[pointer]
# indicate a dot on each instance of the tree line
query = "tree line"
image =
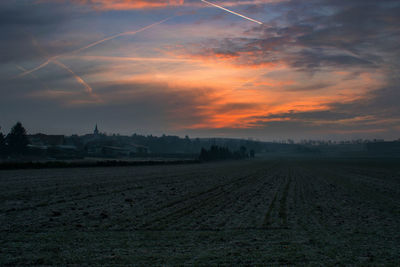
(216, 153)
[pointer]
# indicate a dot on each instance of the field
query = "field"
(266, 212)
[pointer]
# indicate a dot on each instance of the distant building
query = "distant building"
(46, 140)
(113, 148)
(101, 145)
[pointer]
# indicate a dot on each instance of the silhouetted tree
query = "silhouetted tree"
(204, 154)
(2, 145)
(17, 139)
(243, 152)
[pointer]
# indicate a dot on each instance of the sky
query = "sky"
(311, 69)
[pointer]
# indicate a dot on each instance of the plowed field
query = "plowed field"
(266, 212)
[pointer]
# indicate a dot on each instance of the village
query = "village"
(95, 144)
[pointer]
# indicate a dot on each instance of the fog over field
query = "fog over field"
(280, 212)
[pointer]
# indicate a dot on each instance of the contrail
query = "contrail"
(77, 77)
(91, 45)
(26, 72)
(230, 11)
(120, 34)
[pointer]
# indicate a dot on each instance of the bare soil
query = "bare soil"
(260, 212)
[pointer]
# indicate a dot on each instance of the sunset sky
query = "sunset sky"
(315, 69)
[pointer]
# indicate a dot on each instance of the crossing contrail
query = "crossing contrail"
(230, 11)
(52, 59)
(27, 72)
(88, 89)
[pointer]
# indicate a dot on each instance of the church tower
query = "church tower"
(96, 131)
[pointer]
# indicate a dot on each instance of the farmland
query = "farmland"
(276, 211)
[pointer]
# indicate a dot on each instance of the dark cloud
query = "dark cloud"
(325, 115)
(22, 24)
(309, 60)
(382, 103)
(26, 15)
(340, 34)
(311, 87)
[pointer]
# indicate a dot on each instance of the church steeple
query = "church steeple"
(96, 130)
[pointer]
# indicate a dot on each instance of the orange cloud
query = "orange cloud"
(128, 4)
